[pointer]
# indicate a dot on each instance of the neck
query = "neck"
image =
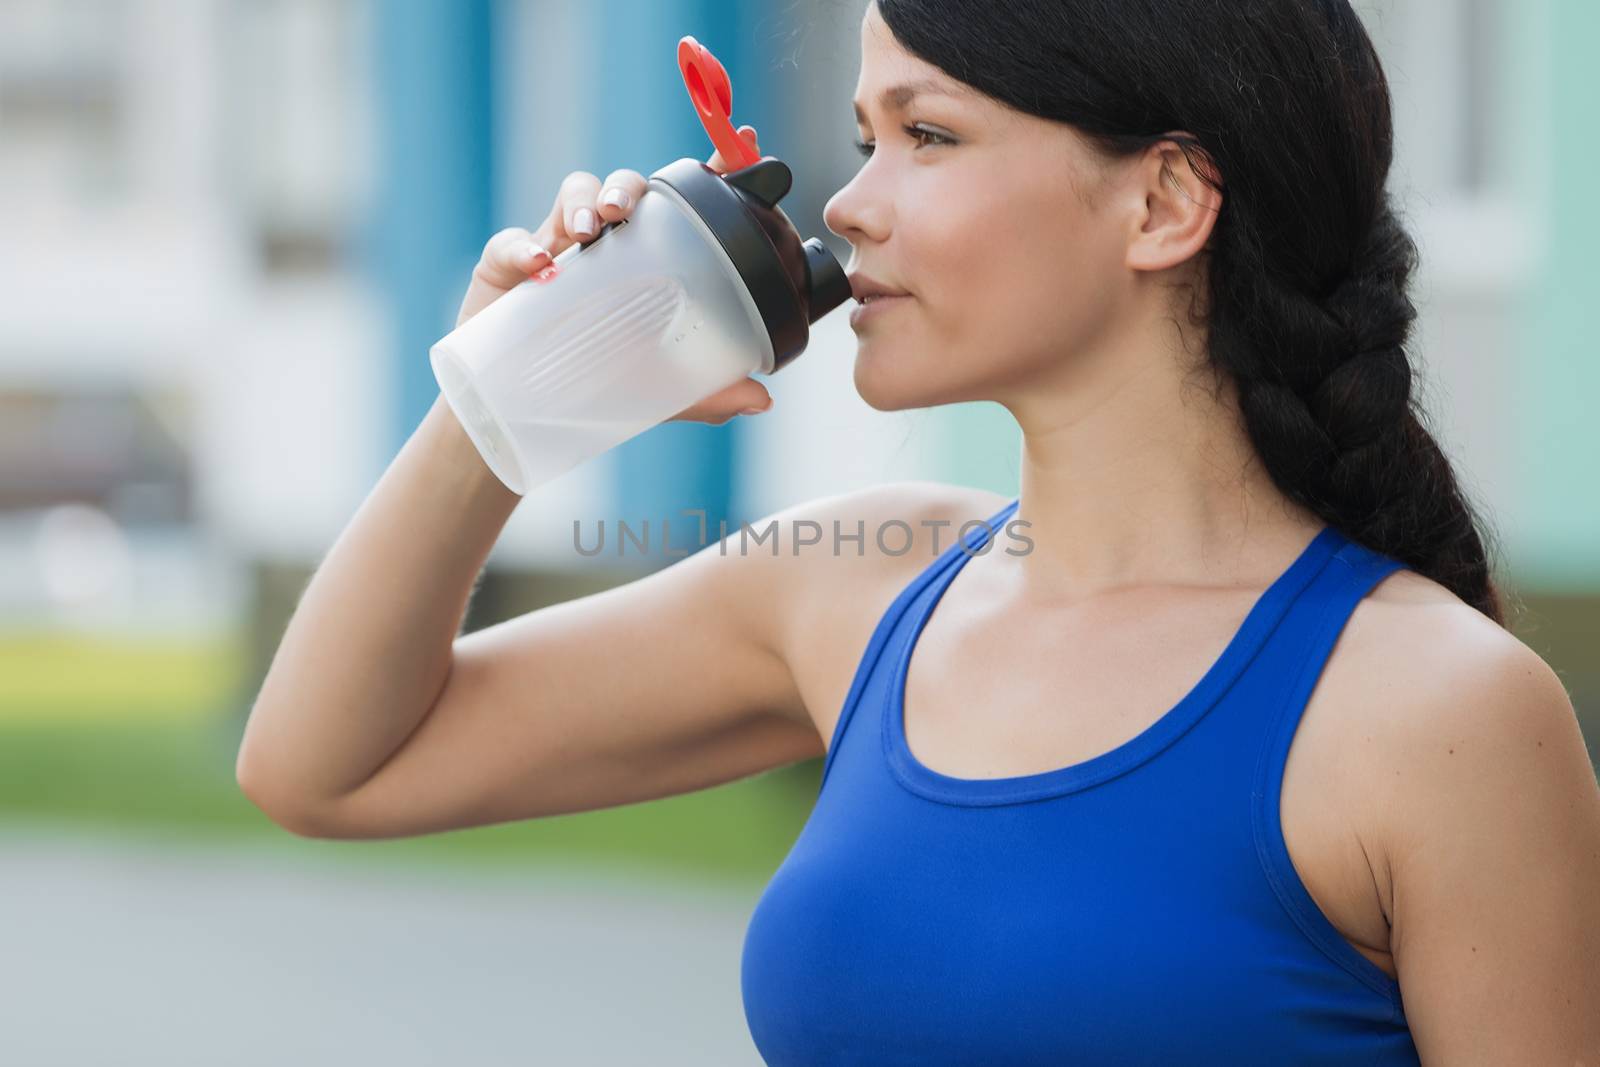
(1128, 477)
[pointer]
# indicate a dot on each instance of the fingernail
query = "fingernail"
(753, 411)
(617, 198)
(531, 252)
(583, 222)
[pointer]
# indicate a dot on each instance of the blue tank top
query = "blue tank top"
(1139, 907)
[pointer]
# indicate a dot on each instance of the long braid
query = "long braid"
(1308, 266)
(1325, 387)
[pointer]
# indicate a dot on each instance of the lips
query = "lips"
(864, 288)
(869, 309)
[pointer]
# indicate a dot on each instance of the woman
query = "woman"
(1226, 758)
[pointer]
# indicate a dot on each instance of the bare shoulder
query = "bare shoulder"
(1440, 661)
(1435, 666)
(1451, 707)
(905, 500)
(885, 530)
(1487, 817)
(830, 543)
(837, 562)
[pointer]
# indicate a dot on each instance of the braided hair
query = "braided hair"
(1285, 106)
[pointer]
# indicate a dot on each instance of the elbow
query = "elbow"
(289, 813)
(295, 820)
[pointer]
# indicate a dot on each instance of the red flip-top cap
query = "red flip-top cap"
(712, 94)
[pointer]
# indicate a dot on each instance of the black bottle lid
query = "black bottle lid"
(793, 282)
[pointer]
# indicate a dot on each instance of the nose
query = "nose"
(854, 214)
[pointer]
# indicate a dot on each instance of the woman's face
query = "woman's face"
(979, 218)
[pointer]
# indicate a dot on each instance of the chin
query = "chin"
(880, 395)
(884, 389)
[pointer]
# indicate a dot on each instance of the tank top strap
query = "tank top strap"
(889, 621)
(1305, 641)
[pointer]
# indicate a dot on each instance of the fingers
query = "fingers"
(559, 231)
(582, 206)
(744, 397)
(584, 203)
(619, 193)
(747, 134)
(509, 257)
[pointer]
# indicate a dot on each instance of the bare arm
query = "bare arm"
(665, 685)
(369, 645)
(690, 677)
(674, 682)
(1496, 859)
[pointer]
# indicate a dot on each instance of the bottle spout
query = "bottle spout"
(827, 284)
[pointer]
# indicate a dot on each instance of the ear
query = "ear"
(1180, 209)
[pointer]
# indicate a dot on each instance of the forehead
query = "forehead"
(891, 77)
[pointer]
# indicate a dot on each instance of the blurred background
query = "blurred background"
(229, 232)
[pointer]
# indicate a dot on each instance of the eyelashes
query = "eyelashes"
(917, 133)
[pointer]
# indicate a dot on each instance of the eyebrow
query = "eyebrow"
(897, 97)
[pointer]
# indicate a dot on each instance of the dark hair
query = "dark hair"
(1308, 265)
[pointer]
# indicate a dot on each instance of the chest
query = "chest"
(1059, 689)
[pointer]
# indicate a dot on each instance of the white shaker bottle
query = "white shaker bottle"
(705, 283)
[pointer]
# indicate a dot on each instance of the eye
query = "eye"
(917, 133)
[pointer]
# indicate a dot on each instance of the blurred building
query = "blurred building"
(229, 230)
(191, 370)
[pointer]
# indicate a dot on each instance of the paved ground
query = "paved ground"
(134, 952)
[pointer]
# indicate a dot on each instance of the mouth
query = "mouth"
(871, 307)
(866, 289)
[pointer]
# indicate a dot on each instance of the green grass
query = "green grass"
(126, 735)
(176, 778)
(56, 678)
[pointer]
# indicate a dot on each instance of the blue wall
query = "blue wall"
(434, 197)
(437, 96)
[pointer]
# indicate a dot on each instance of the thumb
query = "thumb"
(747, 134)
(724, 404)
(747, 393)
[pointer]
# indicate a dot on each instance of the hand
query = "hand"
(514, 254)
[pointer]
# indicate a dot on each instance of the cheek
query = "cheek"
(1058, 274)
(957, 251)
(1012, 284)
